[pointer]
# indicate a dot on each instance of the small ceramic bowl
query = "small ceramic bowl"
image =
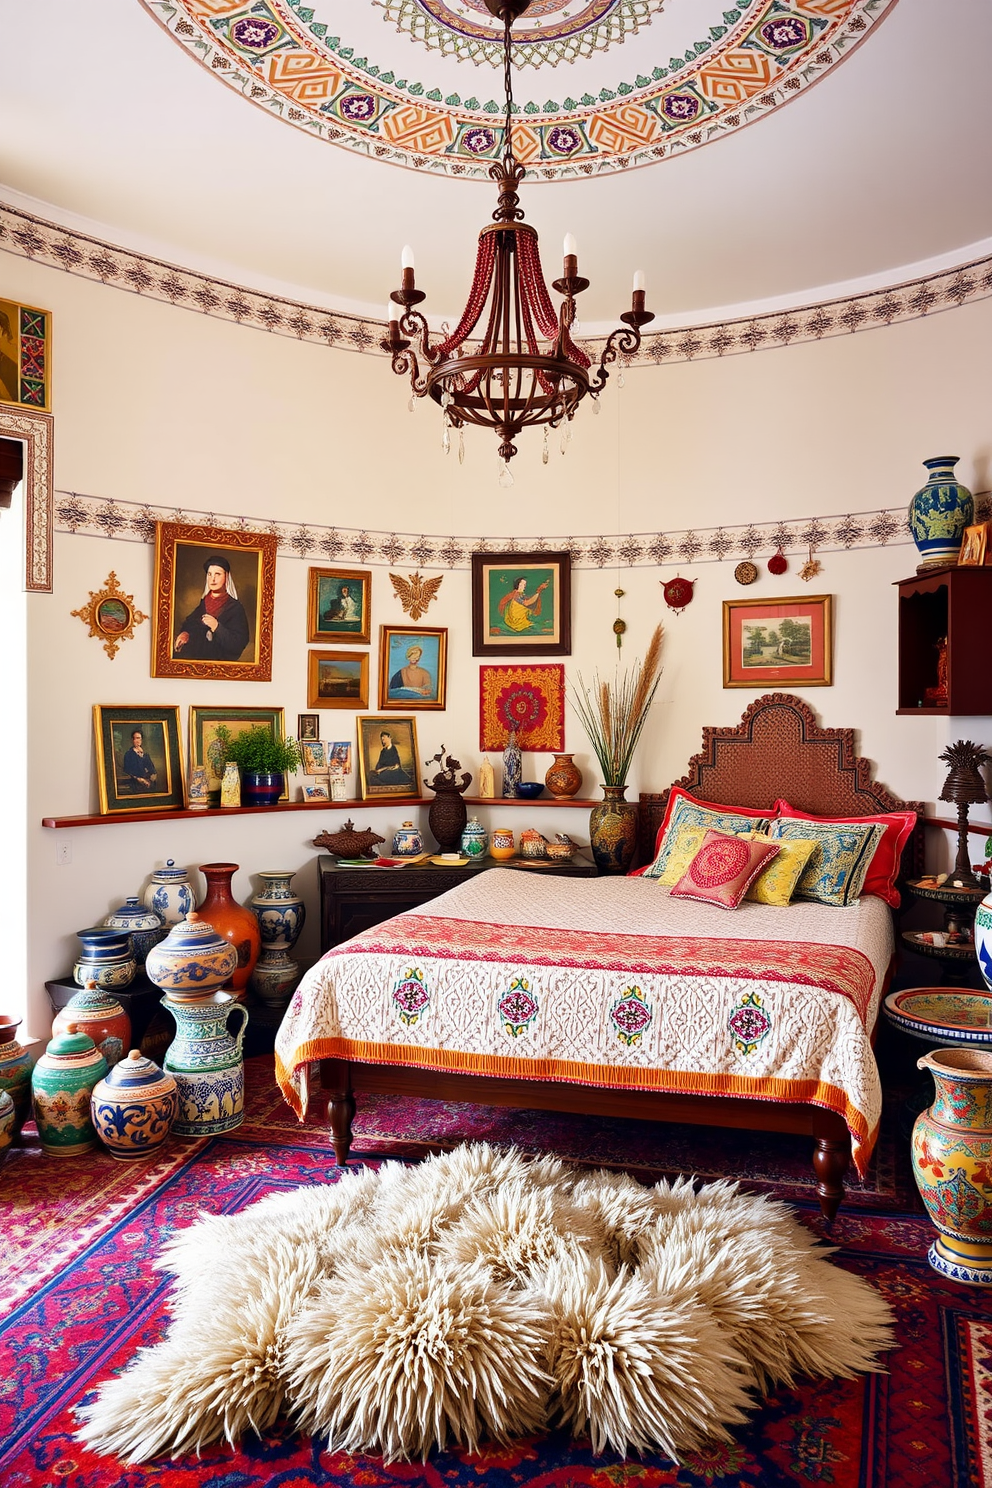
(560, 851)
(528, 789)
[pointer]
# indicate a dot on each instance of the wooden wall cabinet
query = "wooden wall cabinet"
(951, 602)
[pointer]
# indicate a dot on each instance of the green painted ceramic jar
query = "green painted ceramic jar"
(15, 1072)
(8, 1117)
(61, 1087)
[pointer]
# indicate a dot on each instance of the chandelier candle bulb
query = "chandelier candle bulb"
(639, 285)
(406, 257)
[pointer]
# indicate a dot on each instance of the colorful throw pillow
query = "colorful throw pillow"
(684, 811)
(835, 873)
(776, 883)
(883, 870)
(724, 868)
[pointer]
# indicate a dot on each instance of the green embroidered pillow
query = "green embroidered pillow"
(687, 825)
(836, 871)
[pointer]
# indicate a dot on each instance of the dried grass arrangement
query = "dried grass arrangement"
(614, 713)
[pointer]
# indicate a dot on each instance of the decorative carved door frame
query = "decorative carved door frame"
(37, 433)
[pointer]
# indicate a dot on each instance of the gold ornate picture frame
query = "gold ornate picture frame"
(214, 603)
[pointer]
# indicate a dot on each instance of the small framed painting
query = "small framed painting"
(205, 749)
(388, 758)
(307, 726)
(139, 762)
(521, 604)
(974, 546)
(338, 756)
(314, 756)
(338, 679)
(214, 598)
(318, 791)
(773, 641)
(339, 605)
(25, 356)
(412, 668)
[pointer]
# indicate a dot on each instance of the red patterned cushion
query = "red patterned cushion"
(724, 869)
(884, 867)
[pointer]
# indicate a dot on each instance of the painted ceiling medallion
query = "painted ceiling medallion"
(732, 67)
(552, 31)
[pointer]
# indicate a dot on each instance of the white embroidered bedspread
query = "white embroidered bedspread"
(609, 981)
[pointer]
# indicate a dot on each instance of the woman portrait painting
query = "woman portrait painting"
(388, 757)
(217, 628)
(139, 759)
(214, 602)
(521, 603)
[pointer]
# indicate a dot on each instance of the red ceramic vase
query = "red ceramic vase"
(232, 920)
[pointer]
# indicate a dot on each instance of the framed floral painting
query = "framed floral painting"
(528, 699)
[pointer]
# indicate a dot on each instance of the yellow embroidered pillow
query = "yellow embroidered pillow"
(681, 849)
(776, 884)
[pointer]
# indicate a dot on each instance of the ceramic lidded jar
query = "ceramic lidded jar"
(231, 920)
(939, 513)
(192, 960)
(207, 1064)
(145, 926)
(105, 957)
(474, 839)
(407, 841)
(15, 1072)
(169, 893)
(61, 1086)
(133, 1107)
(8, 1120)
(952, 1159)
(563, 778)
(95, 1012)
(533, 844)
(501, 844)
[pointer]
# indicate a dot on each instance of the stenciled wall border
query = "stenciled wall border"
(92, 258)
(37, 431)
(134, 522)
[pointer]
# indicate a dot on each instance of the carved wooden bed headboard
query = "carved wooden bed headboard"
(779, 749)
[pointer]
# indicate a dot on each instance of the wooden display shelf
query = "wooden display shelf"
(355, 804)
(528, 801)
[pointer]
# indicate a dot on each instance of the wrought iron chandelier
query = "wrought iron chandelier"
(506, 381)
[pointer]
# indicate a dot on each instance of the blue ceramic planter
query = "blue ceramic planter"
(261, 788)
(939, 513)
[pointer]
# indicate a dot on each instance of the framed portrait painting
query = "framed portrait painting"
(388, 758)
(339, 605)
(307, 726)
(974, 546)
(412, 668)
(214, 597)
(337, 679)
(521, 604)
(768, 642)
(139, 763)
(204, 747)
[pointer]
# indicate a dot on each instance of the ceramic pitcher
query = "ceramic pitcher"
(952, 1163)
(207, 1064)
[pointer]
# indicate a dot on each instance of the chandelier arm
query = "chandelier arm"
(624, 341)
(414, 325)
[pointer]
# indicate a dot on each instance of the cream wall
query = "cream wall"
(162, 405)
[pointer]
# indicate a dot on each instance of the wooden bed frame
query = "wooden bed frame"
(777, 749)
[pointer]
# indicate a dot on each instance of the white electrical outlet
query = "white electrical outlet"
(63, 850)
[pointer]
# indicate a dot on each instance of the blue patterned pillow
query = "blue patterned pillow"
(689, 813)
(835, 873)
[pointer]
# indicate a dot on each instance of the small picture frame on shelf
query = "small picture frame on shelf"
(974, 546)
(318, 791)
(338, 753)
(139, 761)
(307, 726)
(314, 756)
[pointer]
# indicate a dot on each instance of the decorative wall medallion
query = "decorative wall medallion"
(415, 593)
(778, 563)
(111, 615)
(740, 64)
(746, 572)
(678, 592)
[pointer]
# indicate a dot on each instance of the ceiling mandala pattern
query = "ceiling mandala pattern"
(749, 59)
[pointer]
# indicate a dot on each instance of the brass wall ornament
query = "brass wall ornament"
(415, 593)
(111, 615)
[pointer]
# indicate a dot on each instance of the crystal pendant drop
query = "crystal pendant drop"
(621, 380)
(446, 435)
(409, 406)
(505, 476)
(544, 447)
(595, 407)
(566, 434)
(461, 445)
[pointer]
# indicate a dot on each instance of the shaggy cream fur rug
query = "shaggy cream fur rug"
(481, 1296)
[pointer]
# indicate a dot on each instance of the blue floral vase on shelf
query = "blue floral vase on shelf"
(281, 914)
(105, 957)
(407, 841)
(939, 513)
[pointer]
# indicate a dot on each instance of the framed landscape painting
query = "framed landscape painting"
(139, 762)
(204, 747)
(521, 604)
(338, 679)
(773, 641)
(339, 605)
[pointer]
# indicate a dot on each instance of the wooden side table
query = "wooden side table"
(958, 951)
(355, 899)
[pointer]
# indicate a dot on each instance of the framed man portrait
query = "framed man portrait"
(521, 604)
(337, 679)
(205, 747)
(339, 605)
(139, 764)
(307, 726)
(412, 668)
(214, 600)
(387, 758)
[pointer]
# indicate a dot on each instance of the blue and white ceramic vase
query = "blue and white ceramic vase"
(207, 1063)
(281, 914)
(145, 926)
(15, 1071)
(192, 960)
(513, 765)
(939, 513)
(475, 841)
(983, 939)
(133, 1108)
(407, 841)
(170, 894)
(105, 957)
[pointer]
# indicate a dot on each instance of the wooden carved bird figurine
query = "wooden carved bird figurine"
(415, 593)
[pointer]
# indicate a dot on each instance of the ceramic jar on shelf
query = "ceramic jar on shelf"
(501, 844)
(15, 1072)
(170, 894)
(231, 920)
(133, 1108)
(939, 513)
(952, 1163)
(105, 957)
(192, 960)
(563, 778)
(145, 926)
(533, 844)
(474, 839)
(61, 1086)
(281, 914)
(96, 1012)
(407, 841)
(206, 1061)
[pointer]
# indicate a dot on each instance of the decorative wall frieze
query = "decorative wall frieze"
(92, 258)
(127, 521)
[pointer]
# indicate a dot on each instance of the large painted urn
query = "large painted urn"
(952, 1163)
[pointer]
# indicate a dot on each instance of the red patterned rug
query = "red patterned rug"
(80, 1238)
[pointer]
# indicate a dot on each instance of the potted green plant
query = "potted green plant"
(263, 759)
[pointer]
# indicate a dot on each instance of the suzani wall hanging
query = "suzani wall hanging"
(25, 355)
(530, 699)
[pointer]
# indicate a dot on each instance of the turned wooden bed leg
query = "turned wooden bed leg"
(335, 1076)
(830, 1159)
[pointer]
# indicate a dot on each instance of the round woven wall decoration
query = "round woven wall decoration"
(746, 572)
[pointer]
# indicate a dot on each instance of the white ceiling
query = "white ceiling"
(884, 164)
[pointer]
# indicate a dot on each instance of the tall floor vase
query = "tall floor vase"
(952, 1161)
(613, 831)
(280, 914)
(232, 920)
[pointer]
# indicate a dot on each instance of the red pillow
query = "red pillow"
(724, 869)
(884, 867)
(678, 794)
